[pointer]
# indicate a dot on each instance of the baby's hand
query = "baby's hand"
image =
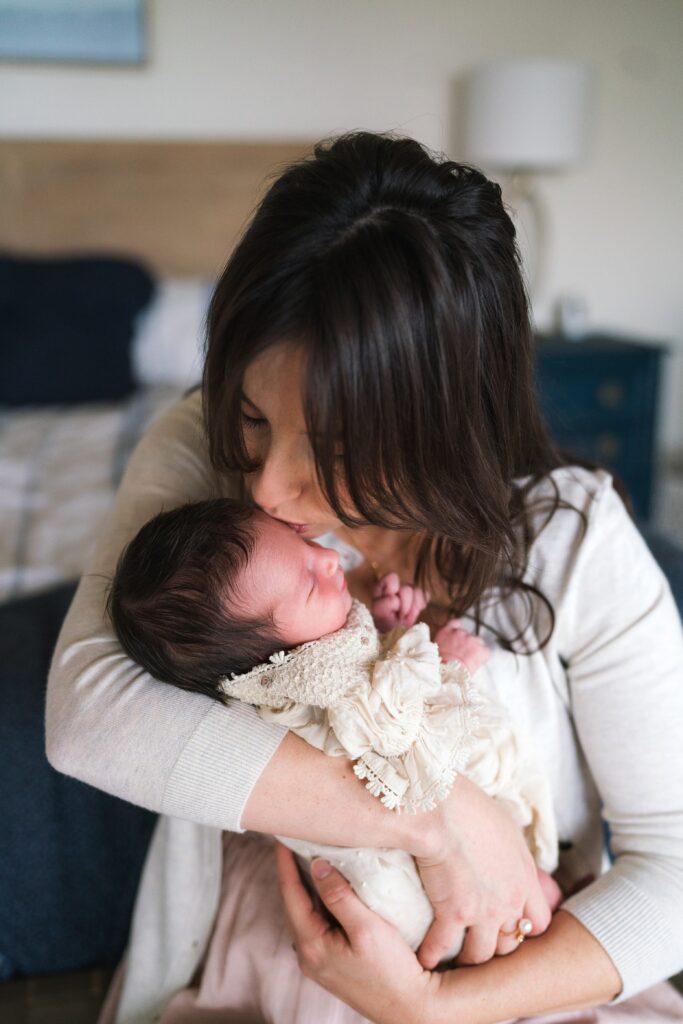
(455, 643)
(396, 604)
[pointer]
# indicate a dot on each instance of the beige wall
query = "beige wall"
(307, 68)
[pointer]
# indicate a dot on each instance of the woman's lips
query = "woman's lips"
(297, 527)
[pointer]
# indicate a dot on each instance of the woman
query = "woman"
(369, 374)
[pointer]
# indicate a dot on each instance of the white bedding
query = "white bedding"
(59, 469)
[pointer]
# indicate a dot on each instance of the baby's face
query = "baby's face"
(300, 583)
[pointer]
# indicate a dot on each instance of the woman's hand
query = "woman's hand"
(478, 874)
(365, 962)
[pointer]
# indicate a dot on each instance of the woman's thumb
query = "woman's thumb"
(338, 896)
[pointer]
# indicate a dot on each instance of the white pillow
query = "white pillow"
(169, 335)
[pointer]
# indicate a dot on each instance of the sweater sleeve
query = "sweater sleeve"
(111, 724)
(619, 634)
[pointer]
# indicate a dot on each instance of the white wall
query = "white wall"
(308, 68)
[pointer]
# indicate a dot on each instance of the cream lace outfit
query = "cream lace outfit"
(411, 723)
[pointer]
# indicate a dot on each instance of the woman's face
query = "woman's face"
(285, 486)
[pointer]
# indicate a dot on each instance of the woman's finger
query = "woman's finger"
(442, 938)
(535, 919)
(479, 945)
(537, 910)
(340, 899)
(508, 937)
(305, 921)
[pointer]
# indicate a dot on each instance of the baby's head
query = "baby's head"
(216, 587)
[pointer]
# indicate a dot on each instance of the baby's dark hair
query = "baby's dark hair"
(172, 598)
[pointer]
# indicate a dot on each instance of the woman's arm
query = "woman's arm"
(619, 633)
(304, 794)
(108, 722)
(112, 725)
(369, 966)
(566, 968)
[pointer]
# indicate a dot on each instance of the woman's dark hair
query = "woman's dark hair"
(400, 274)
(171, 598)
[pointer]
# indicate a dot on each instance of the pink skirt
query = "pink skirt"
(250, 975)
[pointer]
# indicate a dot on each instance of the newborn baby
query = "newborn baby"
(221, 599)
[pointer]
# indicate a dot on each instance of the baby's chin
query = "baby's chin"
(338, 622)
(347, 609)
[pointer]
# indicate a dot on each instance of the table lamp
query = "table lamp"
(525, 117)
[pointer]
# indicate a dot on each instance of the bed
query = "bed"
(108, 253)
(145, 227)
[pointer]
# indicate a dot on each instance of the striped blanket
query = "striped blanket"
(59, 469)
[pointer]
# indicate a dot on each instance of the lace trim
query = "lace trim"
(385, 782)
(275, 661)
(377, 785)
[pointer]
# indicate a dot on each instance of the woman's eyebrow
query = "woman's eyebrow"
(245, 398)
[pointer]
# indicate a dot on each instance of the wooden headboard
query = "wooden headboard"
(180, 206)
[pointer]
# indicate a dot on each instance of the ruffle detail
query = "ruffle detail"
(424, 776)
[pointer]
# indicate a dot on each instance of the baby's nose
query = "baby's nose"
(330, 560)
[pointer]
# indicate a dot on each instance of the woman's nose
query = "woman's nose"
(275, 483)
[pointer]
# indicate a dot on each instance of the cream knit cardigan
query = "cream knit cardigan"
(603, 701)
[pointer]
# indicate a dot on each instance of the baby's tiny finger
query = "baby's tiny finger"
(411, 615)
(405, 595)
(387, 584)
(386, 606)
(392, 583)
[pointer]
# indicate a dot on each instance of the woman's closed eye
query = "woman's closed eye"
(252, 422)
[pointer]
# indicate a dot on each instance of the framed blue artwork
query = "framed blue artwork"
(88, 31)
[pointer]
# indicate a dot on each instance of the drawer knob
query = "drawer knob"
(608, 446)
(611, 394)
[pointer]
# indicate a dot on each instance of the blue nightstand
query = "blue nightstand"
(599, 397)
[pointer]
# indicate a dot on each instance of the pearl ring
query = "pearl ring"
(523, 928)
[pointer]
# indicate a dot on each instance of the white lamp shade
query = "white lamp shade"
(527, 114)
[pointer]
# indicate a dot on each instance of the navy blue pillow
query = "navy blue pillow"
(66, 328)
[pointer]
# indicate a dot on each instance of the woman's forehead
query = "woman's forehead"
(274, 380)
